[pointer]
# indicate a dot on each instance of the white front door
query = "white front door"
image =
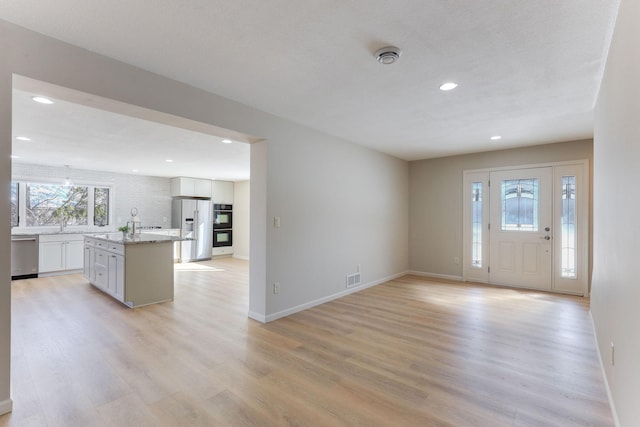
(521, 228)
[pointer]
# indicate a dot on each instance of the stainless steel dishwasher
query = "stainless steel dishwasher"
(24, 256)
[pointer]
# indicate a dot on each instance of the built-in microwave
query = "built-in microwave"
(222, 216)
(222, 238)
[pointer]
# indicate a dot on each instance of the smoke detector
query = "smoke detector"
(388, 55)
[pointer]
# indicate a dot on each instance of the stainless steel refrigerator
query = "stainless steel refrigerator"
(194, 219)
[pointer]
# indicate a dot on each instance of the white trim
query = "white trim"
(529, 166)
(6, 406)
(604, 374)
(60, 273)
(246, 258)
(257, 317)
(301, 307)
(435, 275)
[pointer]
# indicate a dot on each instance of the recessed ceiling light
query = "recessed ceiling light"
(227, 141)
(42, 100)
(168, 160)
(448, 86)
(134, 170)
(496, 137)
(23, 138)
(13, 156)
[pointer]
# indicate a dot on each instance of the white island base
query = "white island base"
(135, 272)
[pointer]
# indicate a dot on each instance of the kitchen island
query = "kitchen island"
(135, 270)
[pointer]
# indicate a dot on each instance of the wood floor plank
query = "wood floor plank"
(410, 352)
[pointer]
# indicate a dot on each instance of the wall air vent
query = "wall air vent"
(353, 280)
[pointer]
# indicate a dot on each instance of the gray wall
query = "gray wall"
(241, 217)
(341, 204)
(435, 199)
(616, 288)
(150, 194)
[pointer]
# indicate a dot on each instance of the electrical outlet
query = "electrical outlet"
(276, 222)
(276, 288)
(456, 260)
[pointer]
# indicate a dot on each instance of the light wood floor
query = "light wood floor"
(411, 352)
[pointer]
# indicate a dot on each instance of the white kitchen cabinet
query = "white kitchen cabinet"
(101, 269)
(50, 256)
(223, 250)
(89, 261)
(60, 252)
(222, 192)
(74, 255)
(115, 285)
(190, 187)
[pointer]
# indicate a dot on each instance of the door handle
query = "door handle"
(546, 238)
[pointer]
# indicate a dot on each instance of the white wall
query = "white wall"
(436, 199)
(241, 217)
(151, 195)
(615, 294)
(341, 204)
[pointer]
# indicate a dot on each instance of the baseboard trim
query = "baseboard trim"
(246, 258)
(604, 373)
(310, 304)
(257, 317)
(435, 275)
(6, 406)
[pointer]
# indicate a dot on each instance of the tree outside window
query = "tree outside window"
(53, 204)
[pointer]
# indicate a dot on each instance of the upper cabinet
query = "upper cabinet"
(222, 192)
(190, 187)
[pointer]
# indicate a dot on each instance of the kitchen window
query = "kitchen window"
(43, 204)
(101, 206)
(14, 204)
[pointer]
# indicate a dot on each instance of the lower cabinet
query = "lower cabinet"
(60, 252)
(104, 267)
(115, 282)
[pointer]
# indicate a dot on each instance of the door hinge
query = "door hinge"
(489, 226)
(488, 269)
(489, 183)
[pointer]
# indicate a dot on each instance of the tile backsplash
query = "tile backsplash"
(151, 195)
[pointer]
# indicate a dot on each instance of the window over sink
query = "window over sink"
(45, 204)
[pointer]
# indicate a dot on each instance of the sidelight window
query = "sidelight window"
(476, 219)
(568, 238)
(519, 200)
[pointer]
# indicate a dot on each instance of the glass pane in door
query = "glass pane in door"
(519, 201)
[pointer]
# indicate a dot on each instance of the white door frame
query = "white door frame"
(480, 273)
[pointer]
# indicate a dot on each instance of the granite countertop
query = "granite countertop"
(136, 239)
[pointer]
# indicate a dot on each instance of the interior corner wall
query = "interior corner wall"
(241, 218)
(615, 296)
(435, 199)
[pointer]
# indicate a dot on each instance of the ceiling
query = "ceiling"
(67, 133)
(527, 70)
